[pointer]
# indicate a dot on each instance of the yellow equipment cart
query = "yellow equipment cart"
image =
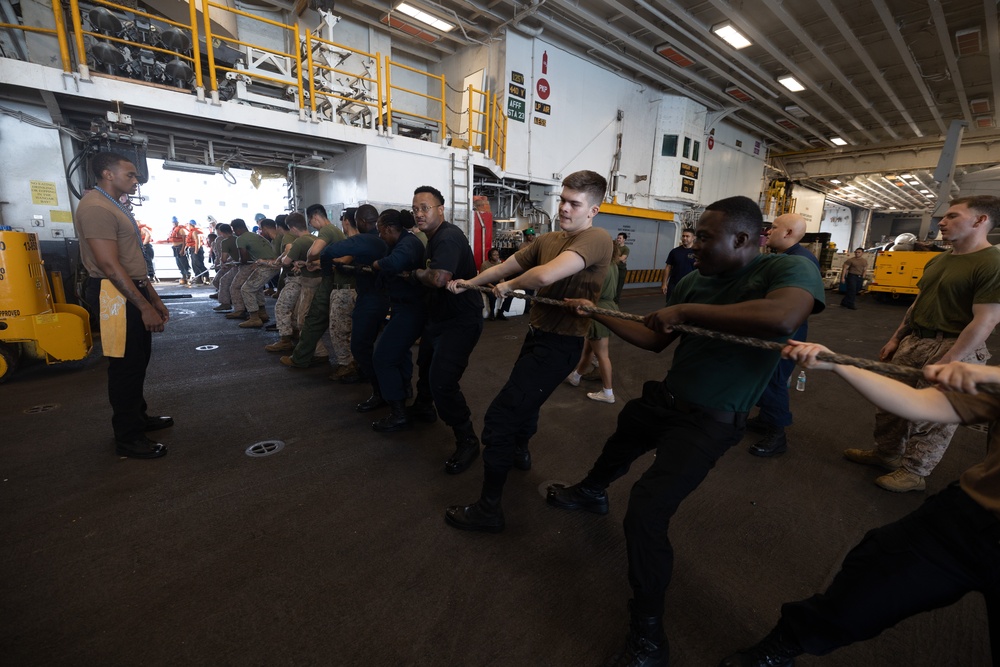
(35, 322)
(897, 272)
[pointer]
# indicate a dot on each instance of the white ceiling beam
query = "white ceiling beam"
(941, 26)
(855, 43)
(904, 54)
(799, 31)
(761, 40)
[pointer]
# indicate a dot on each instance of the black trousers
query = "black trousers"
(148, 254)
(930, 558)
(392, 359)
(852, 285)
(774, 401)
(687, 446)
(197, 261)
(369, 313)
(127, 375)
(544, 361)
(445, 347)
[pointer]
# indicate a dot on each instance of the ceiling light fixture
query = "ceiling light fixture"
(791, 83)
(424, 17)
(837, 141)
(731, 35)
(925, 192)
(906, 175)
(191, 167)
(835, 181)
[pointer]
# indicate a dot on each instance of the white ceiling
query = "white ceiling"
(886, 76)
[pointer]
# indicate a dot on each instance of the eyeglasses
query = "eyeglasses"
(424, 208)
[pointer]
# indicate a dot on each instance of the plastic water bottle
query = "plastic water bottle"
(800, 383)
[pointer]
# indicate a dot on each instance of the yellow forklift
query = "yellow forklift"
(35, 320)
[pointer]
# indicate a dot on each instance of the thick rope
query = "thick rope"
(892, 370)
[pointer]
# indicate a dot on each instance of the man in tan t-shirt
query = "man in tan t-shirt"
(570, 263)
(930, 558)
(853, 275)
(111, 248)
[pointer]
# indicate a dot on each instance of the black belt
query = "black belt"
(336, 286)
(920, 332)
(738, 419)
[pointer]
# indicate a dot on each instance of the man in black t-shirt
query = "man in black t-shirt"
(454, 324)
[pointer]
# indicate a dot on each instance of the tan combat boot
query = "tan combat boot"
(285, 344)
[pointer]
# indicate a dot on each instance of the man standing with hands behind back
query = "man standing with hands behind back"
(111, 249)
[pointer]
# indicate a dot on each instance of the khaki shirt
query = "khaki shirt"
(98, 218)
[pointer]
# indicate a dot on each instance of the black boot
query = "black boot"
(577, 497)
(396, 421)
(484, 514)
(422, 410)
(646, 644)
(772, 444)
(777, 649)
(466, 450)
(374, 402)
(522, 457)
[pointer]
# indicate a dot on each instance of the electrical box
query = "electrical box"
(536, 193)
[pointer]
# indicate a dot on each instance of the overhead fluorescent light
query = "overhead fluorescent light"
(892, 208)
(191, 167)
(731, 35)
(925, 192)
(837, 141)
(791, 83)
(835, 181)
(796, 110)
(906, 176)
(424, 17)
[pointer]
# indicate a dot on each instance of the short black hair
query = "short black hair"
(267, 222)
(394, 218)
(431, 190)
(349, 213)
(239, 223)
(741, 214)
(316, 209)
(105, 161)
(223, 227)
(366, 215)
(623, 235)
(280, 218)
(987, 205)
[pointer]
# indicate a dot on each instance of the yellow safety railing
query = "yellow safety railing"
(390, 89)
(59, 32)
(498, 134)
(390, 99)
(192, 28)
(315, 69)
(479, 139)
(213, 68)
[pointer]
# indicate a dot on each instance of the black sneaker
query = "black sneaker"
(777, 649)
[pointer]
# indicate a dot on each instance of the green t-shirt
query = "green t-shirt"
(256, 246)
(228, 246)
(286, 240)
(727, 376)
(951, 284)
(330, 234)
(297, 252)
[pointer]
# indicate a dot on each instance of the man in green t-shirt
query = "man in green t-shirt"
(699, 411)
(622, 260)
(259, 252)
(957, 309)
(289, 310)
(226, 266)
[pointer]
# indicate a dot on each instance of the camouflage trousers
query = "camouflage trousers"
(921, 444)
(240, 276)
(252, 290)
(220, 275)
(341, 308)
(293, 303)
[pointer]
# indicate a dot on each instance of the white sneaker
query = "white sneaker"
(601, 396)
(569, 379)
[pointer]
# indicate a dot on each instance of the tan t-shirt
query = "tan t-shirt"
(98, 218)
(594, 245)
(981, 481)
(856, 266)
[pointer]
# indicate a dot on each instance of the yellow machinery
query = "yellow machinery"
(897, 272)
(34, 322)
